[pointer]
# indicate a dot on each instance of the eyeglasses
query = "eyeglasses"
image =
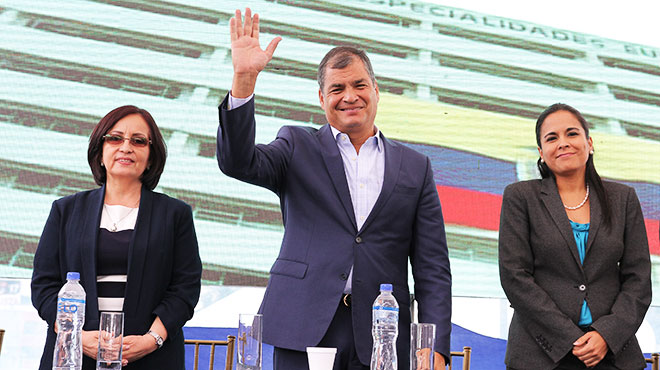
(136, 141)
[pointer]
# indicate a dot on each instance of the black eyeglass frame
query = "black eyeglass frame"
(132, 140)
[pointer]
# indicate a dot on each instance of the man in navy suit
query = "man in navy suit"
(355, 205)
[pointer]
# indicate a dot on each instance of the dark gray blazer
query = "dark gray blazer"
(541, 274)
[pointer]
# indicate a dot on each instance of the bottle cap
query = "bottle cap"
(386, 287)
(72, 275)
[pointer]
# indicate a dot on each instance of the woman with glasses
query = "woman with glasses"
(574, 257)
(135, 249)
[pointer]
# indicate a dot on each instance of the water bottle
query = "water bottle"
(385, 329)
(70, 318)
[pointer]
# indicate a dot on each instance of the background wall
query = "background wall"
(461, 86)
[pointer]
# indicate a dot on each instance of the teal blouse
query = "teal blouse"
(581, 233)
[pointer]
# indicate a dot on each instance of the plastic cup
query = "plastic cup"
(321, 358)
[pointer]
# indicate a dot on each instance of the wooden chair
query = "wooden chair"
(466, 353)
(654, 361)
(2, 335)
(229, 361)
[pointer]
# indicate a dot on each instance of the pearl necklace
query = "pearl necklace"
(581, 204)
(113, 229)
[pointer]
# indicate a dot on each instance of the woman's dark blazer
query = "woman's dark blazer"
(164, 270)
(541, 274)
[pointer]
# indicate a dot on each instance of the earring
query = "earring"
(102, 165)
(591, 152)
(542, 161)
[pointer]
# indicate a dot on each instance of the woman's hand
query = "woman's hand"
(590, 348)
(90, 343)
(136, 347)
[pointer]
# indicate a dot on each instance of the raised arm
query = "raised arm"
(246, 54)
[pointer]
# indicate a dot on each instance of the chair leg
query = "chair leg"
(212, 357)
(196, 356)
(229, 362)
(467, 352)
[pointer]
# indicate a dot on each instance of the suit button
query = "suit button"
(358, 240)
(343, 276)
(582, 288)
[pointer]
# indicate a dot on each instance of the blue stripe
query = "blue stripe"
(386, 308)
(72, 300)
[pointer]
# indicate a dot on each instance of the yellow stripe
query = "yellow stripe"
(507, 137)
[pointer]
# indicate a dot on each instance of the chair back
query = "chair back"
(466, 353)
(654, 361)
(229, 360)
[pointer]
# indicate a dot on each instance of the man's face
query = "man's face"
(349, 99)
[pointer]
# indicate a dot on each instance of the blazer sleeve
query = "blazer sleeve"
(634, 295)
(181, 296)
(240, 158)
(539, 314)
(430, 264)
(46, 274)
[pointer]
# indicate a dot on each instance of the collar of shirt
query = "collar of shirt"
(376, 136)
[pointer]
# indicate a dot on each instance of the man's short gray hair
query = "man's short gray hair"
(339, 58)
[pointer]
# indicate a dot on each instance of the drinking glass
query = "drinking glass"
(111, 339)
(422, 342)
(249, 342)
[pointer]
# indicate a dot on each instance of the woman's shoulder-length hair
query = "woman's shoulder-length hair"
(157, 152)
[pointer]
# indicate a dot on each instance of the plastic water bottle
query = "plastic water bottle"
(70, 319)
(385, 329)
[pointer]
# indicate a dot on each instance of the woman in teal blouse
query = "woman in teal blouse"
(574, 258)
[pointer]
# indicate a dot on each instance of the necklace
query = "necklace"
(581, 204)
(113, 229)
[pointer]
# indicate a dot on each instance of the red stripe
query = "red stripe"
(652, 227)
(482, 210)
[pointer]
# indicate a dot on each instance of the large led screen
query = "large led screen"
(462, 87)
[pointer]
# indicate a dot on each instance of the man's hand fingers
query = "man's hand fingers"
(247, 29)
(255, 26)
(272, 46)
(232, 29)
(239, 23)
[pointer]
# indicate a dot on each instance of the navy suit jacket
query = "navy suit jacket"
(164, 270)
(321, 241)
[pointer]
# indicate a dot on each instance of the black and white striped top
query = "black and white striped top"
(112, 255)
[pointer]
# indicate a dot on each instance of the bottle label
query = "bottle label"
(396, 309)
(68, 305)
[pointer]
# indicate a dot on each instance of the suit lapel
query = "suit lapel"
(137, 251)
(552, 201)
(393, 156)
(88, 242)
(594, 219)
(335, 167)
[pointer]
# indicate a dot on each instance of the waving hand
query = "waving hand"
(247, 56)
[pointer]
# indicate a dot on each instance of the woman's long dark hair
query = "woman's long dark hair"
(591, 176)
